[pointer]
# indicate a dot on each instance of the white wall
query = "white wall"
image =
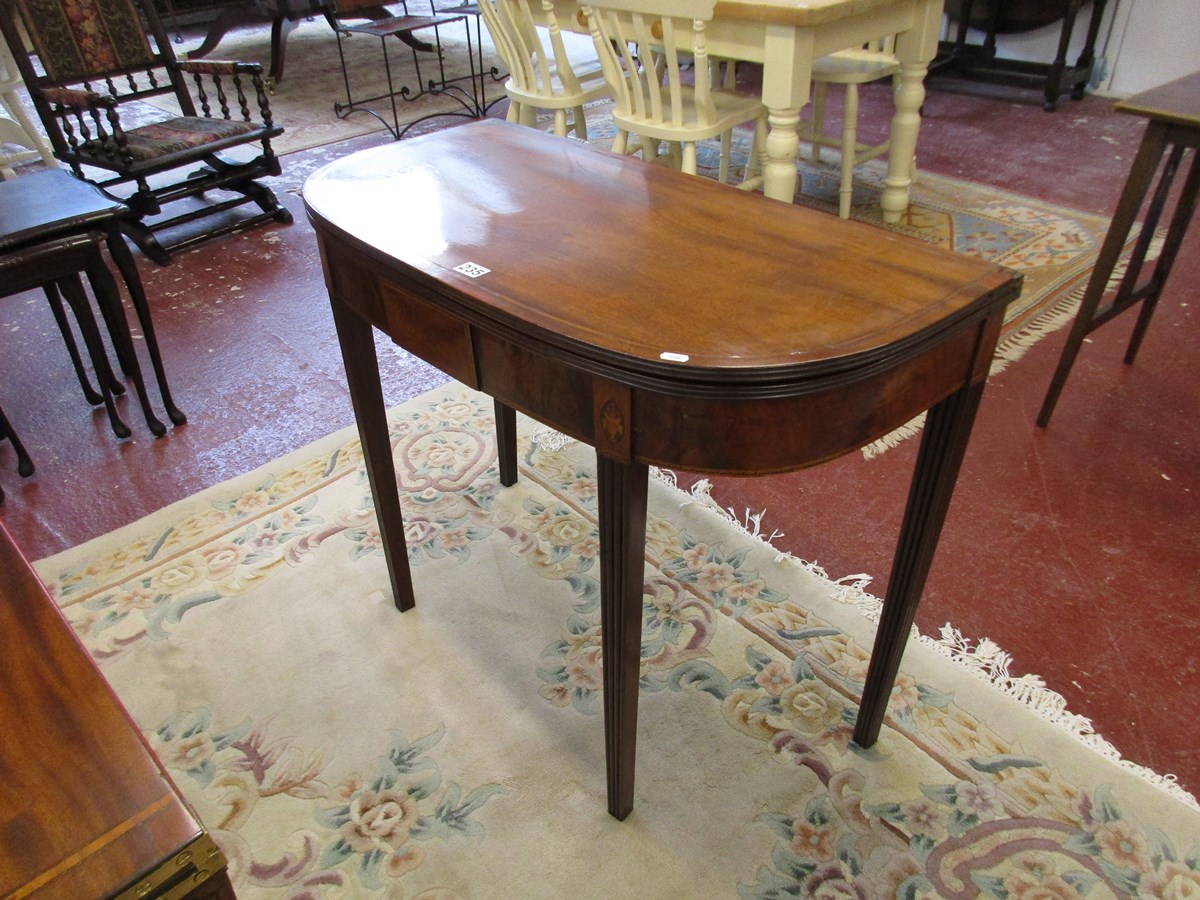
(1152, 42)
(1142, 44)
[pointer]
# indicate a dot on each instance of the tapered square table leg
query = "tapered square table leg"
(357, 341)
(943, 444)
(622, 489)
(506, 443)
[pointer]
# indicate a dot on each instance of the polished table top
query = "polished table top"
(664, 319)
(86, 811)
(777, 296)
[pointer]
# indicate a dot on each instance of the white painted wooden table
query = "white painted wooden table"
(787, 35)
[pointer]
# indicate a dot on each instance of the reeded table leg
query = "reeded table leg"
(943, 444)
(622, 515)
(366, 394)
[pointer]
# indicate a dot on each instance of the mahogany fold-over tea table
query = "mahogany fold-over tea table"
(86, 809)
(664, 319)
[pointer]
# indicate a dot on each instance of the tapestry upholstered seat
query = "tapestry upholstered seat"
(97, 63)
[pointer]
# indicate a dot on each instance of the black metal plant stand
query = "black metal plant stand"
(473, 101)
(469, 8)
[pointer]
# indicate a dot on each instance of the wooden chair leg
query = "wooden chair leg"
(688, 163)
(849, 149)
(729, 83)
(119, 251)
(674, 156)
(758, 149)
(64, 326)
(818, 122)
(620, 142)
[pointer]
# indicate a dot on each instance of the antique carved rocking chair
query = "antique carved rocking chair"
(97, 57)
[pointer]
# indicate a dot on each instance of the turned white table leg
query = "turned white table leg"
(779, 168)
(906, 123)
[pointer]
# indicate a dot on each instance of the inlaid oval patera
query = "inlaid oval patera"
(612, 422)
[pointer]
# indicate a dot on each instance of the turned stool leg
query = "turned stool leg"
(72, 290)
(24, 462)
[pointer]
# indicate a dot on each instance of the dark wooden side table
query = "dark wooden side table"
(53, 204)
(664, 319)
(979, 62)
(86, 811)
(1173, 111)
(285, 16)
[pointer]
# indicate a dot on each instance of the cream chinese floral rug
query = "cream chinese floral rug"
(338, 748)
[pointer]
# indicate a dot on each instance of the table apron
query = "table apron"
(724, 431)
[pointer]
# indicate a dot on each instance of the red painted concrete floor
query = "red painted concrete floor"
(1074, 548)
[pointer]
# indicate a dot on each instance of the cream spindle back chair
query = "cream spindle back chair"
(541, 74)
(644, 47)
(851, 68)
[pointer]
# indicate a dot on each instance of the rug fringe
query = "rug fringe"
(894, 438)
(543, 437)
(701, 493)
(984, 659)
(987, 661)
